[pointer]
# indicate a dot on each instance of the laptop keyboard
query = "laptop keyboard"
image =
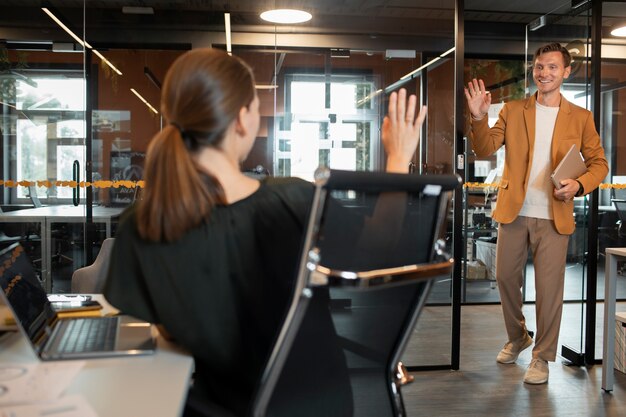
(89, 335)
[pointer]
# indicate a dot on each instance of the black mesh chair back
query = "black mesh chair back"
(368, 263)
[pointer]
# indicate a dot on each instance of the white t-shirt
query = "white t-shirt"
(538, 201)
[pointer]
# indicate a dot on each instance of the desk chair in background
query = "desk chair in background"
(369, 259)
(29, 238)
(61, 235)
(90, 279)
(34, 198)
(620, 209)
(6, 240)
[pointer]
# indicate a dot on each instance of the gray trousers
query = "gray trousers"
(549, 251)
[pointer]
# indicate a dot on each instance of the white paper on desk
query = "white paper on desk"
(35, 382)
(70, 406)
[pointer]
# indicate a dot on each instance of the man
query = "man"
(531, 212)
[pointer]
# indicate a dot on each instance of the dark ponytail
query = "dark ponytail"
(203, 92)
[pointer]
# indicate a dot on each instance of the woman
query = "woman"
(210, 254)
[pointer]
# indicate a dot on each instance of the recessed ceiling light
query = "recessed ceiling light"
(620, 31)
(286, 16)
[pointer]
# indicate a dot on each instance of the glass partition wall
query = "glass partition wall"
(597, 224)
(80, 100)
(612, 99)
(80, 88)
(597, 221)
(611, 232)
(44, 134)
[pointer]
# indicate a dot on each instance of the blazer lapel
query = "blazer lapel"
(560, 127)
(529, 120)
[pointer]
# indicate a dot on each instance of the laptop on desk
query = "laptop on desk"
(68, 338)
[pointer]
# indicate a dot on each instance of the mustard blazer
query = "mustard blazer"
(515, 129)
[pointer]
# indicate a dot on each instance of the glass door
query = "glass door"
(435, 81)
(437, 156)
(504, 79)
(573, 30)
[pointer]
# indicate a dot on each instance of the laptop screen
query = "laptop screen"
(24, 294)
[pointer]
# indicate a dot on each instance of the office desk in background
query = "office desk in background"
(153, 385)
(613, 255)
(48, 215)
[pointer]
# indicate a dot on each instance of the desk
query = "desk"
(613, 255)
(48, 215)
(154, 385)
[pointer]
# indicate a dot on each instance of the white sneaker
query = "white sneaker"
(537, 372)
(511, 350)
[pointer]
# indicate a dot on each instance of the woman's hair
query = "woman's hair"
(203, 92)
(554, 47)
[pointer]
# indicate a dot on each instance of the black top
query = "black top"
(222, 289)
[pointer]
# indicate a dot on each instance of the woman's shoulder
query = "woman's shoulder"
(287, 186)
(292, 194)
(287, 182)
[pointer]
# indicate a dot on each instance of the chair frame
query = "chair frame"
(311, 273)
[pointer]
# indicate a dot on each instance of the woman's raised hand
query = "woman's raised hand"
(401, 130)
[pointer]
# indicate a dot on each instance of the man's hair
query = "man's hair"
(554, 47)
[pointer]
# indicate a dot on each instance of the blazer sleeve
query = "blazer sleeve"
(592, 151)
(486, 141)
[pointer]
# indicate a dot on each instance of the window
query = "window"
(328, 124)
(50, 131)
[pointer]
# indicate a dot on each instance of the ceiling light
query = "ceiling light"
(65, 28)
(140, 97)
(619, 31)
(106, 61)
(229, 43)
(432, 61)
(83, 43)
(286, 16)
(266, 86)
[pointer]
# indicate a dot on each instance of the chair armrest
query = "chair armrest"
(364, 279)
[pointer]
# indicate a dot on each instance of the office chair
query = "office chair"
(90, 279)
(29, 238)
(620, 209)
(61, 234)
(6, 240)
(367, 266)
(34, 198)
